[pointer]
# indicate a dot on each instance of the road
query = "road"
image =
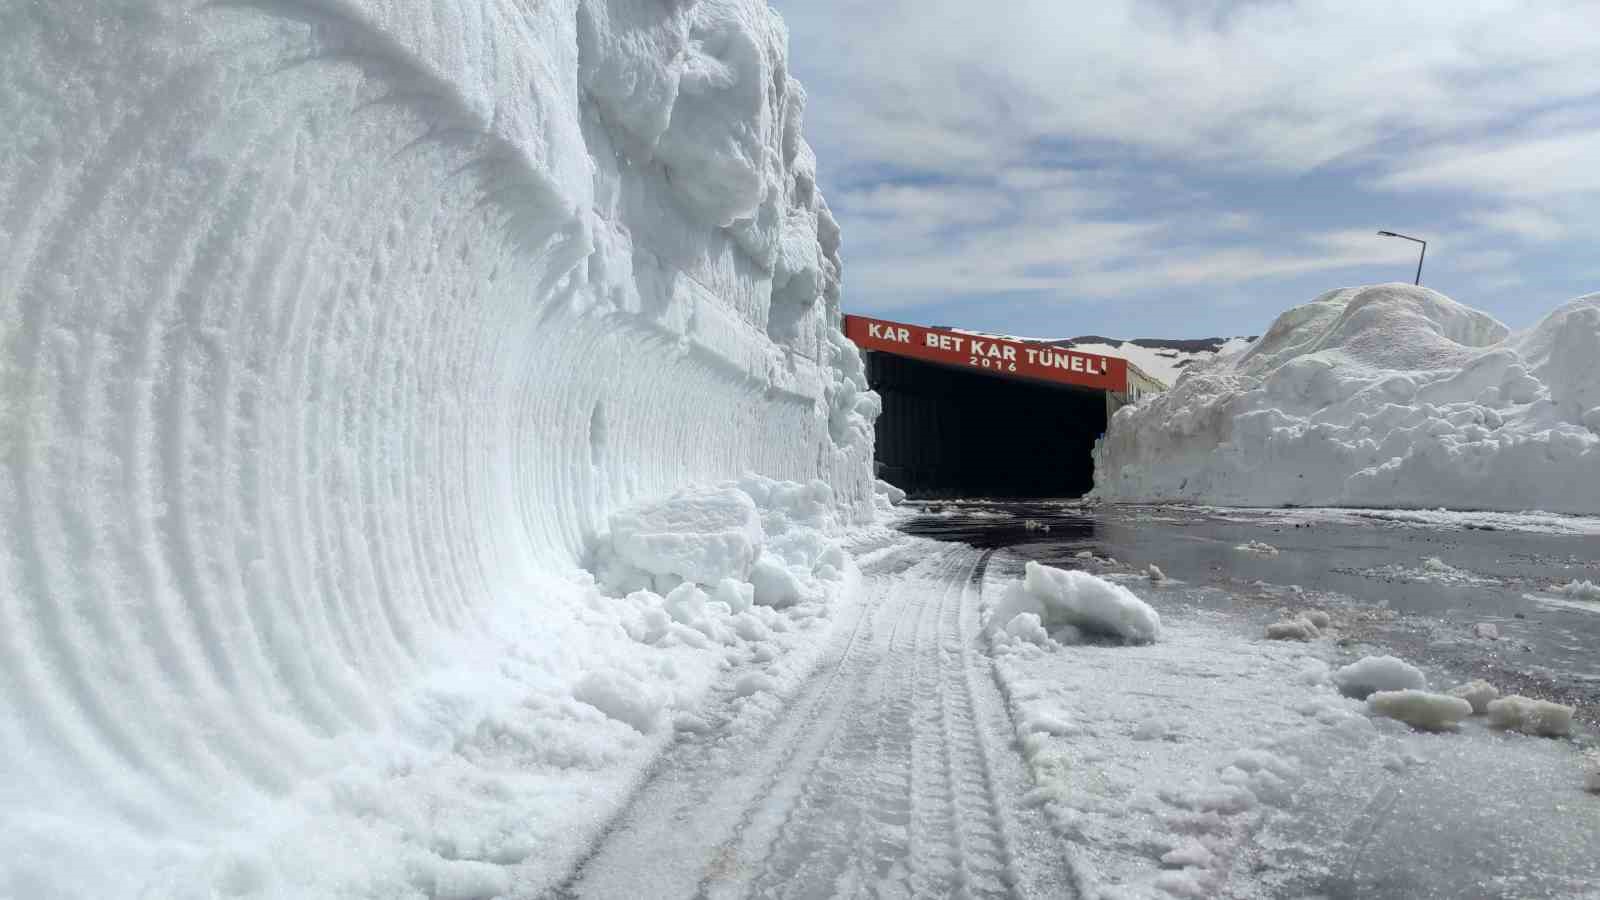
(890, 775)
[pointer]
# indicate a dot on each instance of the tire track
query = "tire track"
(886, 779)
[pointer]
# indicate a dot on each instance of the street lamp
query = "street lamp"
(1417, 240)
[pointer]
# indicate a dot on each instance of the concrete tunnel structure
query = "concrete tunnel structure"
(969, 415)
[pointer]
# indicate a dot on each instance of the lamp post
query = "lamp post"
(1417, 240)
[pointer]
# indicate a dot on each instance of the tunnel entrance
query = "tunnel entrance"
(948, 432)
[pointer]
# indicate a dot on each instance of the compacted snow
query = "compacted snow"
(353, 356)
(1381, 396)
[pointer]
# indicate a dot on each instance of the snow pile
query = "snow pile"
(1381, 396)
(1478, 693)
(1072, 602)
(1420, 709)
(1536, 717)
(1371, 674)
(335, 334)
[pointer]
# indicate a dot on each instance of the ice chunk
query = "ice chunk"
(1487, 631)
(1378, 673)
(1292, 630)
(1083, 554)
(1420, 709)
(1061, 598)
(1529, 716)
(1259, 548)
(1155, 573)
(1479, 693)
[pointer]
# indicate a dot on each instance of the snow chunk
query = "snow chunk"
(892, 495)
(1420, 709)
(1060, 599)
(1027, 627)
(1292, 630)
(1487, 631)
(1479, 693)
(621, 697)
(1378, 673)
(701, 536)
(753, 683)
(1529, 716)
(1260, 548)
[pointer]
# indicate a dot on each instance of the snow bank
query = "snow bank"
(1371, 674)
(1420, 709)
(332, 335)
(1380, 396)
(1536, 717)
(1062, 599)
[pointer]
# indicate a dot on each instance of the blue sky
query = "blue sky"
(1168, 168)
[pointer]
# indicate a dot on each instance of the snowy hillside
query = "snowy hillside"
(337, 338)
(1380, 396)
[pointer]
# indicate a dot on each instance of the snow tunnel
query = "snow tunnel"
(977, 415)
(945, 432)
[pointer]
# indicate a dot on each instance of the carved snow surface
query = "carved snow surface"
(332, 335)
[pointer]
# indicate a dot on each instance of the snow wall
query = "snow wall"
(328, 328)
(1382, 396)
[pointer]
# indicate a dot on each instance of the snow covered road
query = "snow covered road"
(891, 773)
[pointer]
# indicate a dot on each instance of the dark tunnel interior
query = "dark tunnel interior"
(946, 432)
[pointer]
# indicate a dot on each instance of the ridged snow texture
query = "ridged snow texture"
(327, 326)
(1381, 396)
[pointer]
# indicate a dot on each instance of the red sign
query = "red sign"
(996, 356)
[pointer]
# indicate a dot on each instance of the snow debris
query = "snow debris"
(1378, 673)
(1064, 599)
(1155, 574)
(1580, 590)
(1382, 396)
(1035, 525)
(1083, 554)
(1420, 709)
(1479, 693)
(1487, 631)
(1293, 630)
(1314, 672)
(1260, 548)
(1540, 718)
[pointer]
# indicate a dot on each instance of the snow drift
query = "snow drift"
(1380, 396)
(332, 335)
